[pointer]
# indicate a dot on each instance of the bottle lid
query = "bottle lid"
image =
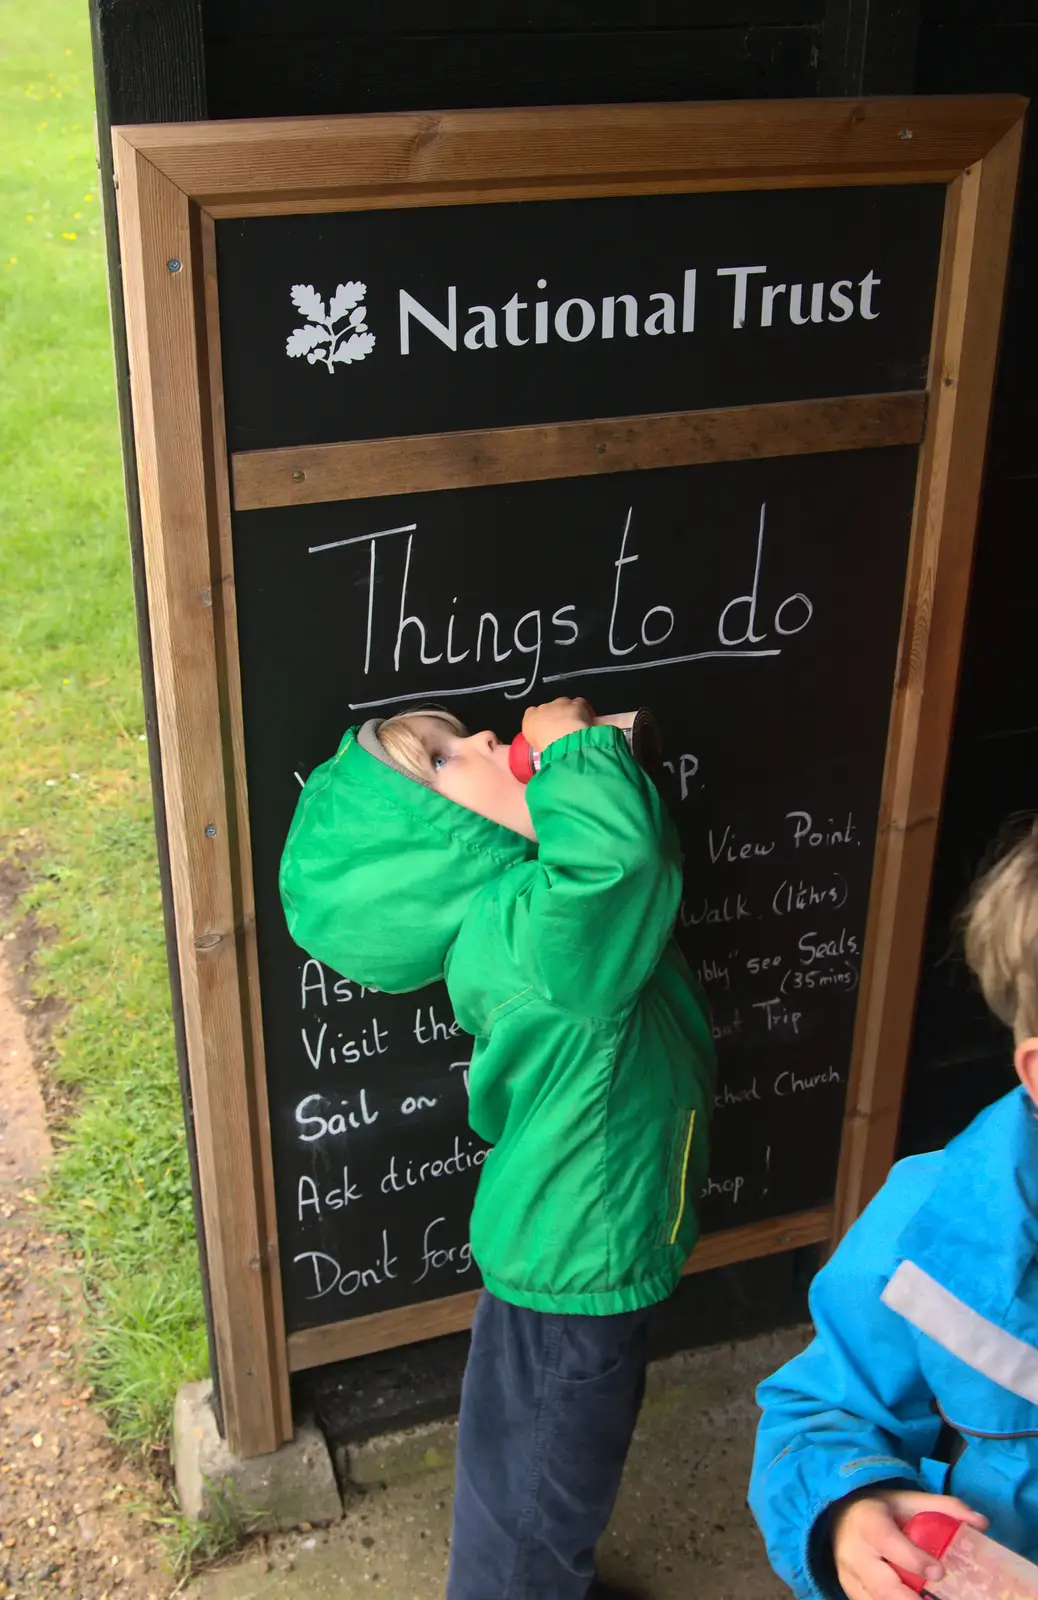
(646, 741)
(933, 1532)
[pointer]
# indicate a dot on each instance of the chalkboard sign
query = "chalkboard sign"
(680, 406)
(756, 606)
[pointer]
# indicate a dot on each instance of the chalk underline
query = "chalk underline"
(432, 695)
(665, 661)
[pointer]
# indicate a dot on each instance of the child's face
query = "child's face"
(473, 771)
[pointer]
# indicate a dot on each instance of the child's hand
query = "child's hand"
(543, 724)
(867, 1537)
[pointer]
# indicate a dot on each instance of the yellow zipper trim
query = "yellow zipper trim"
(684, 1179)
(502, 1003)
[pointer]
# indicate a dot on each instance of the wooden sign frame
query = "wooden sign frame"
(174, 181)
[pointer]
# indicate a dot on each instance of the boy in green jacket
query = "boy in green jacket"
(549, 911)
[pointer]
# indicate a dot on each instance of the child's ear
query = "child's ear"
(1026, 1058)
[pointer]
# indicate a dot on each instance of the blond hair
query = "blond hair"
(400, 740)
(1001, 927)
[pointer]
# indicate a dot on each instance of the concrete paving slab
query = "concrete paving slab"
(681, 1527)
(292, 1485)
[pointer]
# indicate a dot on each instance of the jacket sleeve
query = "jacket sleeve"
(597, 912)
(853, 1410)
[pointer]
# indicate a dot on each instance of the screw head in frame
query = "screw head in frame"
(210, 830)
(905, 133)
(173, 265)
(298, 477)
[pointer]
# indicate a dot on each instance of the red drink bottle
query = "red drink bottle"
(639, 728)
(975, 1567)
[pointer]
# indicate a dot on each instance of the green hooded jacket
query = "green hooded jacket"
(593, 1069)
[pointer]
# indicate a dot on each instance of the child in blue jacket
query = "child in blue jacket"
(922, 1381)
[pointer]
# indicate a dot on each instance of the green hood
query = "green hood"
(378, 870)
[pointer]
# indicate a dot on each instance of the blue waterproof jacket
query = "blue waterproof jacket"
(926, 1314)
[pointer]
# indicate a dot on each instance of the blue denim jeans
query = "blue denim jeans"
(548, 1407)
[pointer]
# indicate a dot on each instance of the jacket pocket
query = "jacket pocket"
(968, 1395)
(677, 1177)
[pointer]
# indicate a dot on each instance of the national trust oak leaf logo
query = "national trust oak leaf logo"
(319, 340)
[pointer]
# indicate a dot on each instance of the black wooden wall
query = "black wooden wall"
(169, 60)
(265, 59)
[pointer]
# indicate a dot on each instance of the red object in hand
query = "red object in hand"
(975, 1567)
(523, 761)
(638, 728)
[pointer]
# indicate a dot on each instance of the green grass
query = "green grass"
(74, 792)
(190, 1546)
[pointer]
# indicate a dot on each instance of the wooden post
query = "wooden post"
(245, 1322)
(978, 225)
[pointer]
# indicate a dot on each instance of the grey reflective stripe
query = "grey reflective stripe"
(956, 1327)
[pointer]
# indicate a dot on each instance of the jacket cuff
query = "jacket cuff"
(597, 738)
(852, 1480)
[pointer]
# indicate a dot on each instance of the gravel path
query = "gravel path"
(76, 1517)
